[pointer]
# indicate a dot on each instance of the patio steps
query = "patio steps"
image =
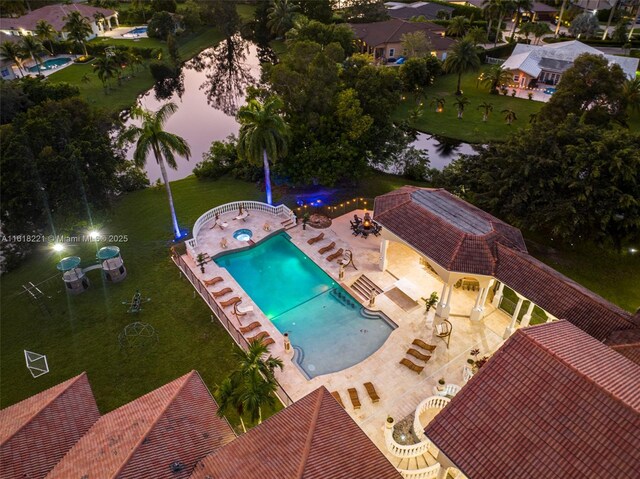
(363, 286)
(288, 224)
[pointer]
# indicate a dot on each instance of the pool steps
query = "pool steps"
(363, 287)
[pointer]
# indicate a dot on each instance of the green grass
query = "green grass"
(471, 128)
(246, 12)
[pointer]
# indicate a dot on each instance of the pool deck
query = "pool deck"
(400, 389)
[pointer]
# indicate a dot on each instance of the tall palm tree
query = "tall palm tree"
(227, 394)
(509, 116)
(611, 13)
(491, 9)
(32, 47)
(263, 134)
(150, 137)
(527, 29)
(477, 35)
(540, 29)
(12, 51)
(496, 76)
(256, 394)
(486, 108)
(255, 358)
(506, 7)
(631, 92)
(458, 26)
(461, 103)
(519, 6)
(281, 16)
(45, 32)
(559, 24)
(78, 28)
(462, 58)
(106, 68)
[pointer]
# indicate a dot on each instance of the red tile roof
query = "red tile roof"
(391, 31)
(453, 233)
(627, 343)
(551, 402)
(175, 424)
(314, 438)
(37, 432)
(54, 14)
(559, 295)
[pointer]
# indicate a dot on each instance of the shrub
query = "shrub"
(218, 161)
(132, 178)
(161, 25)
(160, 71)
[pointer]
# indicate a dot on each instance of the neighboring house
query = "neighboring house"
(541, 12)
(99, 19)
(545, 64)
(384, 39)
(551, 402)
(7, 71)
(406, 11)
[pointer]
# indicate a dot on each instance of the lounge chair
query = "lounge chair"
(258, 337)
(230, 302)
(355, 400)
(213, 281)
(327, 248)
(335, 255)
(250, 327)
(371, 391)
(409, 364)
(316, 239)
(418, 355)
(242, 216)
(222, 292)
(242, 310)
(420, 343)
(268, 342)
(336, 396)
(223, 225)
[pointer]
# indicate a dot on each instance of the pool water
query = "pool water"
(328, 328)
(50, 64)
(137, 31)
(243, 235)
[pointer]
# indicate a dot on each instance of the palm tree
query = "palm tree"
(256, 394)
(562, 10)
(611, 13)
(631, 92)
(263, 134)
(477, 36)
(527, 29)
(12, 51)
(281, 15)
(506, 7)
(106, 68)
(496, 76)
(486, 108)
(227, 395)
(45, 31)
(491, 9)
(540, 29)
(519, 6)
(32, 47)
(439, 104)
(86, 79)
(462, 58)
(150, 137)
(458, 26)
(254, 359)
(79, 28)
(509, 116)
(461, 102)
(133, 59)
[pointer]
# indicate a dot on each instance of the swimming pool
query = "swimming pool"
(328, 328)
(136, 31)
(50, 64)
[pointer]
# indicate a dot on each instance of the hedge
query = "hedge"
(146, 53)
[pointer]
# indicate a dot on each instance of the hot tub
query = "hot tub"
(243, 234)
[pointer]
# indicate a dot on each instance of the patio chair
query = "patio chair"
(258, 337)
(222, 292)
(250, 327)
(355, 400)
(213, 281)
(411, 365)
(230, 302)
(266, 227)
(423, 345)
(316, 239)
(223, 225)
(223, 243)
(418, 355)
(327, 248)
(336, 396)
(335, 255)
(443, 331)
(371, 391)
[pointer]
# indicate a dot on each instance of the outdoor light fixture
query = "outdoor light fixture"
(58, 247)
(633, 250)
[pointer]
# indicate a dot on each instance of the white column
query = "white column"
(447, 306)
(384, 245)
(498, 296)
(442, 302)
(477, 312)
(526, 319)
(109, 22)
(512, 327)
(116, 19)
(442, 472)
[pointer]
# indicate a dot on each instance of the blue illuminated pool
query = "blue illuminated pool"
(137, 31)
(50, 64)
(328, 328)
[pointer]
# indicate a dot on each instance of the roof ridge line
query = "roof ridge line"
(402, 22)
(312, 429)
(72, 382)
(539, 345)
(154, 423)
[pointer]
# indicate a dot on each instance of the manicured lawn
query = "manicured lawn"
(471, 128)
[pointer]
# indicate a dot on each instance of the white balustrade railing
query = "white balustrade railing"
(280, 210)
(404, 450)
(425, 473)
(432, 402)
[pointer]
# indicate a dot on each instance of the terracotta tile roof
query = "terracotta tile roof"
(391, 31)
(37, 432)
(176, 423)
(627, 343)
(455, 234)
(559, 295)
(54, 14)
(551, 402)
(314, 438)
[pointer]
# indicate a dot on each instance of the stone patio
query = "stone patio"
(400, 389)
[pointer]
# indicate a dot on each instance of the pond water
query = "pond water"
(211, 88)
